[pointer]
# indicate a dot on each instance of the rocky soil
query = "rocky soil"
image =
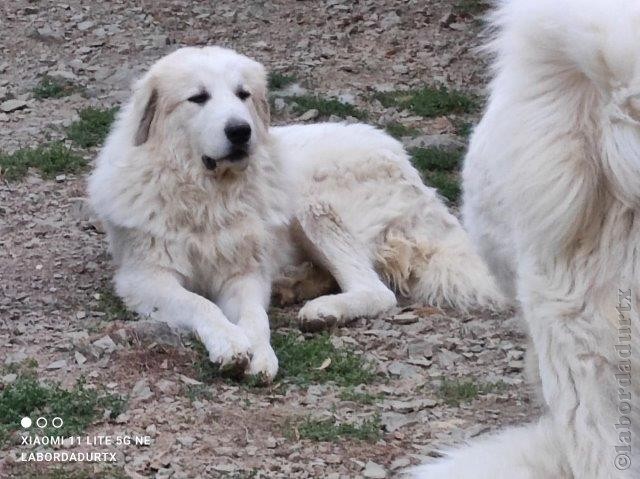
(55, 272)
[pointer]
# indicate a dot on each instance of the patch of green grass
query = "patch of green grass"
(447, 184)
(278, 81)
(430, 101)
(197, 392)
(51, 160)
(362, 397)
(327, 107)
(300, 361)
(429, 159)
(470, 7)
(440, 170)
(49, 87)
(78, 407)
(327, 430)
(93, 126)
(398, 130)
(113, 307)
(464, 128)
(454, 392)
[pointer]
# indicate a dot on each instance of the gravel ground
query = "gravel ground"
(55, 272)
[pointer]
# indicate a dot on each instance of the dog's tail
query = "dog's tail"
(430, 259)
(576, 64)
(529, 452)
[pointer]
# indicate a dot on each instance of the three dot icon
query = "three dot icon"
(41, 422)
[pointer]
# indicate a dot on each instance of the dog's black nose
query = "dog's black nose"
(238, 133)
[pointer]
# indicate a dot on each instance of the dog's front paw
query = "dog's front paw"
(320, 314)
(264, 364)
(230, 350)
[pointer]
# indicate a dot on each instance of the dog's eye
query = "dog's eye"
(200, 98)
(243, 94)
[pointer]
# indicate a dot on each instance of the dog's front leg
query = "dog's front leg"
(245, 300)
(158, 294)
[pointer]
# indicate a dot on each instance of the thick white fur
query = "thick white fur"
(199, 249)
(552, 190)
(366, 216)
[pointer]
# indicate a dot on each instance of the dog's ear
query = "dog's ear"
(256, 77)
(148, 114)
(261, 104)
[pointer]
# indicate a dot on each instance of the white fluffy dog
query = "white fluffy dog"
(204, 206)
(552, 190)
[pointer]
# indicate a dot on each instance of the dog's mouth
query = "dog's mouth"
(236, 156)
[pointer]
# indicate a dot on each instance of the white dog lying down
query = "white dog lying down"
(204, 206)
(552, 190)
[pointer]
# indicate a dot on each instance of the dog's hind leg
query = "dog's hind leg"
(329, 242)
(157, 293)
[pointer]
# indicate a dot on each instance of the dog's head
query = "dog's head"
(208, 101)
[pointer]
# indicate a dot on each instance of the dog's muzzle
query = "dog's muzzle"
(236, 155)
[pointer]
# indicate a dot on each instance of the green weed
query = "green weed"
(49, 87)
(430, 101)
(78, 407)
(327, 430)
(50, 160)
(327, 107)
(93, 126)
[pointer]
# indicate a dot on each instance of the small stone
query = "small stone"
(151, 430)
(9, 106)
(229, 468)
(106, 344)
(374, 471)
(122, 418)
(156, 332)
(9, 378)
(400, 463)
(186, 441)
(15, 358)
(392, 421)
(189, 381)
(271, 442)
(141, 390)
(79, 314)
(166, 387)
(47, 34)
(400, 69)
(397, 368)
(80, 359)
(279, 104)
(309, 115)
(405, 318)
(62, 363)
(86, 25)
(410, 406)
(515, 365)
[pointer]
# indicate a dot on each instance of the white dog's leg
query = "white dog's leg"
(363, 294)
(158, 294)
(530, 452)
(244, 301)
